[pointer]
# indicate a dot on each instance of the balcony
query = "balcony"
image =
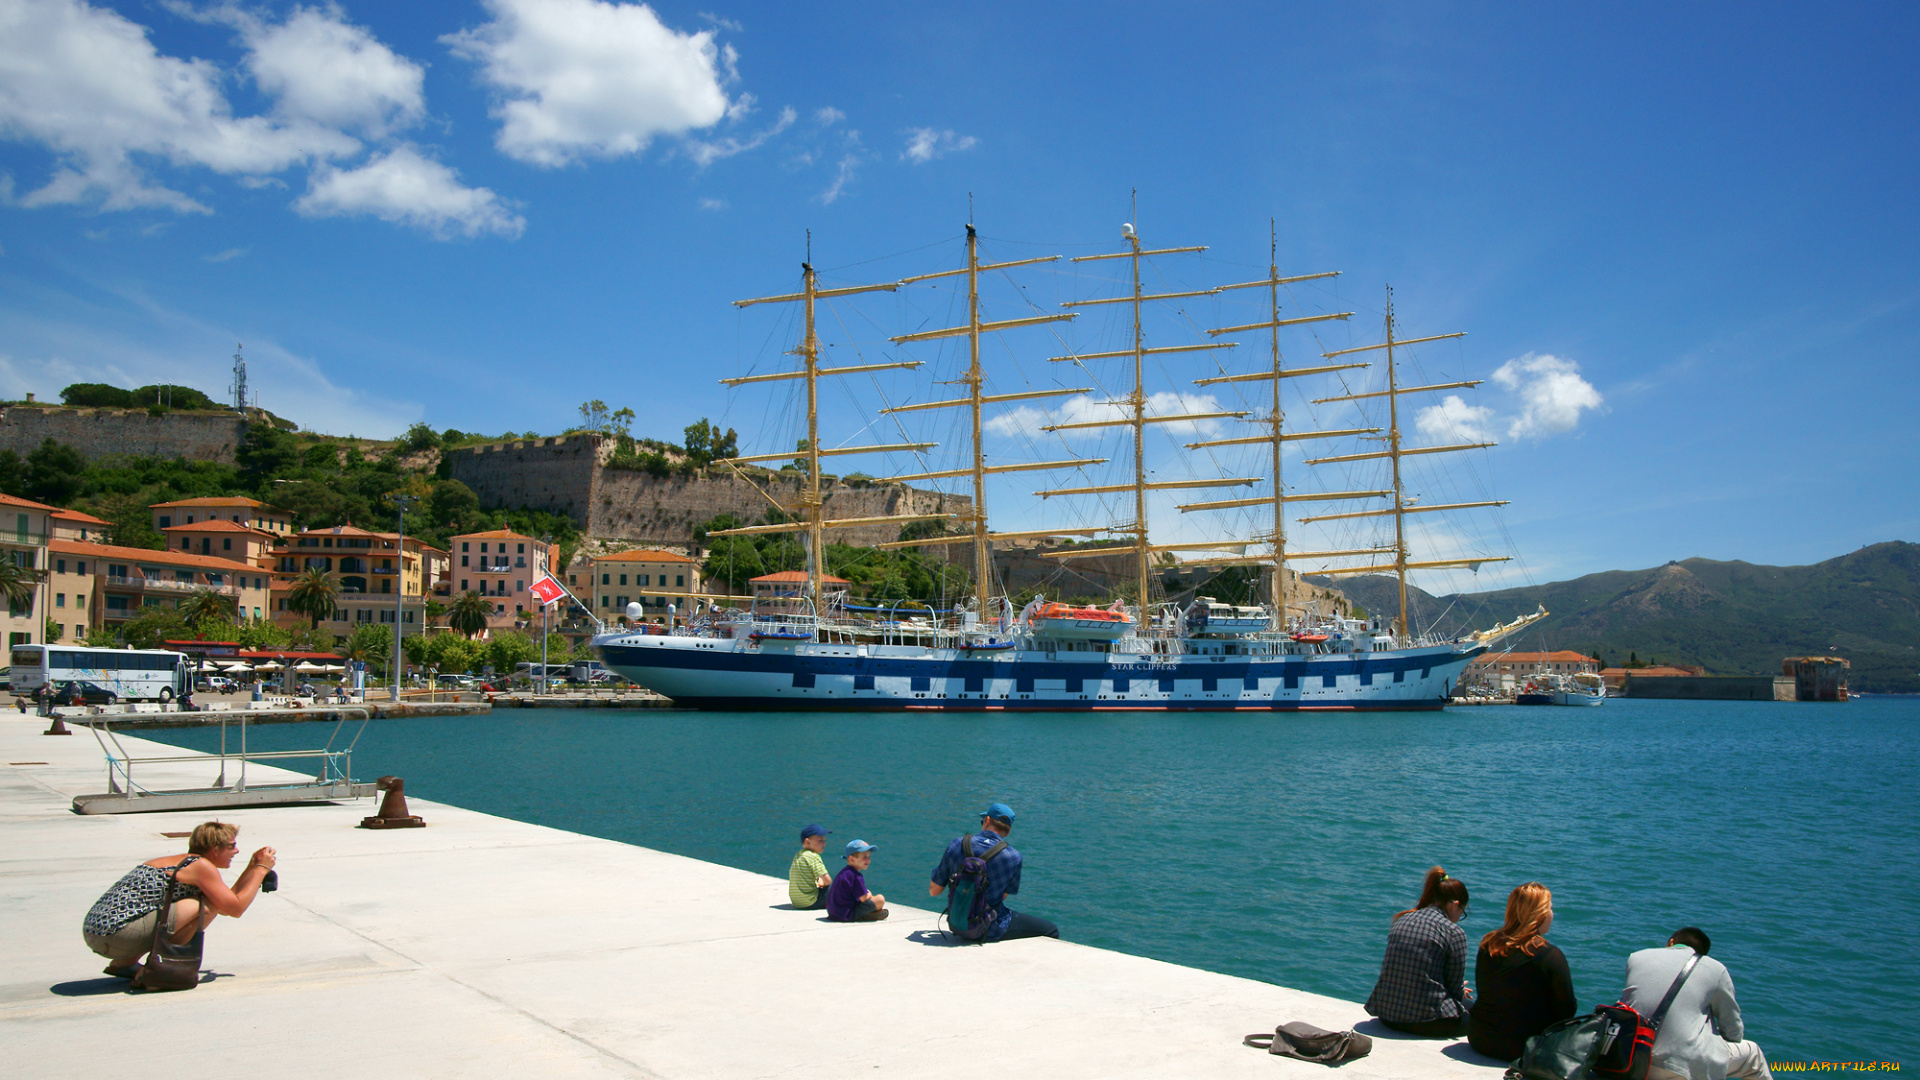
(162, 585)
(387, 570)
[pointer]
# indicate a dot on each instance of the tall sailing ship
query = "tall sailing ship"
(815, 650)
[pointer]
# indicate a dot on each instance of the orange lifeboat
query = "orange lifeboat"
(1064, 621)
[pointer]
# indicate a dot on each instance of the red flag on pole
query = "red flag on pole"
(548, 590)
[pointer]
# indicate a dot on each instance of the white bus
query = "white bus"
(127, 674)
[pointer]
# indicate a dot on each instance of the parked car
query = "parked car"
(215, 684)
(80, 692)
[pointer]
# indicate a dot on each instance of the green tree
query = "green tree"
(313, 594)
(470, 614)
(13, 474)
(421, 437)
(265, 452)
(371, 644)
(55, 473)
(418, 649)
(205, 607)
(101, 637)
(17, 584)
(508, 648)
(54, 631)
(263, 634)
(155, 623)
(130, 521)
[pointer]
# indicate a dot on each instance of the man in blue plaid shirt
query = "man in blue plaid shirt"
(1003, 877)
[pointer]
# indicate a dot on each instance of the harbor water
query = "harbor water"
(1278, 846)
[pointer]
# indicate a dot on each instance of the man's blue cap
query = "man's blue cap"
(855, 847)
(815, 830)
(998, 810)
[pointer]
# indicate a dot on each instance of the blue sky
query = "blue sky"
(1683, 236)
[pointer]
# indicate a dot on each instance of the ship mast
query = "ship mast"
(1402, 559)
(975, 381)
(811, 505)
(1136, 405)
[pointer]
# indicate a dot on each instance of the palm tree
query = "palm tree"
(313, 594)
(18, 584)
(205, 606)
(469, 614)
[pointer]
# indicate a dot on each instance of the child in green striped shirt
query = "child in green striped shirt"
(807, 878)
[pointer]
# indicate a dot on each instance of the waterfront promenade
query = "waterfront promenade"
(485, 947)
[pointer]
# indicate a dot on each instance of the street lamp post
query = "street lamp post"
(400, 588)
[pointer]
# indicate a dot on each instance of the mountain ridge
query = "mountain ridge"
(1731, 617)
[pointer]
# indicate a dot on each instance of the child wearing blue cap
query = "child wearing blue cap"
(807, 878)
(849, 900)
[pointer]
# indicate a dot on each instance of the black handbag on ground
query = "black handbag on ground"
(170, 966)
(1614, 1042)
(1309, 1043)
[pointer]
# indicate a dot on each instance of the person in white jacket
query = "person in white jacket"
(1701, 1037)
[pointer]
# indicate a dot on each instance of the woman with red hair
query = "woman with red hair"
(1525, 986)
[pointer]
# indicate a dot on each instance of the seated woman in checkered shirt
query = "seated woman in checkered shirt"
(1423, 979)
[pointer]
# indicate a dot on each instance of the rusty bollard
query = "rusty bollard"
(393, 808)
(58, 727)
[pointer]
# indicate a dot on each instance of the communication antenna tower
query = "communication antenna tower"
(239, 380)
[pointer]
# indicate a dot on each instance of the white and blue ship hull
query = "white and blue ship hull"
(736, 673)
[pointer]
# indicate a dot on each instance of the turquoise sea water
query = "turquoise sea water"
(1278, 846)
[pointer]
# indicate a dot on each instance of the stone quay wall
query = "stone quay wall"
(95, 433)
(568, 475)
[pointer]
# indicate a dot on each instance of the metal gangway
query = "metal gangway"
(126, 794)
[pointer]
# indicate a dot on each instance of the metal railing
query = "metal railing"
(334, 774)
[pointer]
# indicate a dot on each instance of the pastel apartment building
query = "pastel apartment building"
(103, 585)
(382, 578)
(25, 528)
(654, 579)
(499, 564)
(235, 508)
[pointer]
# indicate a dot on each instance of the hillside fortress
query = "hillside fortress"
(569, 475)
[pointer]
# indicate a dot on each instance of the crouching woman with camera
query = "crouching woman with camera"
(121, 924)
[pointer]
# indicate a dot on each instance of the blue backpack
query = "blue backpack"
(967, 892)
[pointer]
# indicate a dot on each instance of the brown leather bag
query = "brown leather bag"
(1309, 1043)
(170, 966)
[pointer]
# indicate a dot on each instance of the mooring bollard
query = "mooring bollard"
(58, 727)
(393, 808)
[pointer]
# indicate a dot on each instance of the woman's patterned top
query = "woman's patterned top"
(136, 894)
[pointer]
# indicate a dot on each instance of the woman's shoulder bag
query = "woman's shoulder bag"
(170, 966)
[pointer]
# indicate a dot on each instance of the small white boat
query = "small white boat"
(1581, 688)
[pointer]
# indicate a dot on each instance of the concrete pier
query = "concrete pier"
(484, 947)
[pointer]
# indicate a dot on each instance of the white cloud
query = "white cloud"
(849, 164)
(925, 144)
(827, 116)
(1551, 391)
(1083, 409)
(405, 187)
(324, 69)
(223, 256)
(87, 84)
(724, 24)
(587, 78)
(713, 204)
(706, 153)
(1453, 418)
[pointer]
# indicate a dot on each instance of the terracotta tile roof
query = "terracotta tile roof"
(1563, 656)
(218, 500)
(75, 515)
(349, 529)
(215, 525)
(149, 555)
(496, 534)
(786, 576)
(645, 556)
(13, 500)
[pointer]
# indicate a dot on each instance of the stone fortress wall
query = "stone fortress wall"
(95, 433)
(568, 475)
